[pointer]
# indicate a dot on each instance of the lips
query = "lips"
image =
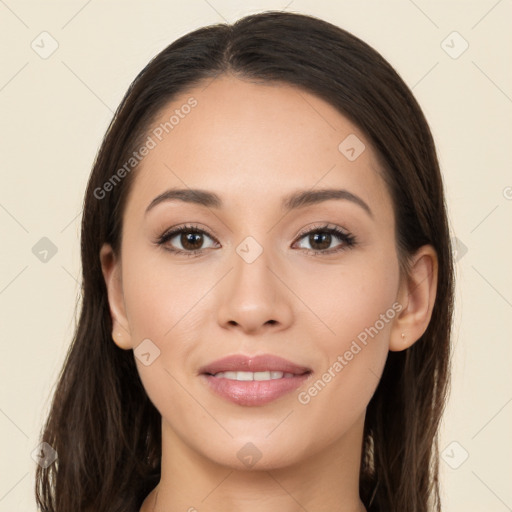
(261, 363)
(256, 380)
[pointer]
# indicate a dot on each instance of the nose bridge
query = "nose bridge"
(253, 295)
(252, 280)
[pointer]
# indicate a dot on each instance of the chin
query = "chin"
(254, 454)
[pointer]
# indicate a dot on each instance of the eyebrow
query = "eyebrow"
(293, 201)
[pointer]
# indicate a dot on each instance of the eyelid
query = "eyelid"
(317, 226)
(188, 226)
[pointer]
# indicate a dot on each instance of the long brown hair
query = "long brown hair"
(102, 424)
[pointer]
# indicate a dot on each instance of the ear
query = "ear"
(111, 268)
(417, 293)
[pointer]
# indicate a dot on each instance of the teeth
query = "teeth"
(253, 375)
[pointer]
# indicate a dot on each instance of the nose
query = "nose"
(254, 297)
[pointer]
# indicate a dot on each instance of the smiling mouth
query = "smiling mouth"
(252, 380)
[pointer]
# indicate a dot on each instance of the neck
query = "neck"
(327, 480)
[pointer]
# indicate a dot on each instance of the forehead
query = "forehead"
(253, 142)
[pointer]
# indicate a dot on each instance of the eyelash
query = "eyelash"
(348, 239)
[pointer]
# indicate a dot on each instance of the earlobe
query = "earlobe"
(417, 295)
(111, 269)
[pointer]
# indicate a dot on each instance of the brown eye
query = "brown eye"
(191, 241)
(320, 241)
(185, 240)
(321, 238)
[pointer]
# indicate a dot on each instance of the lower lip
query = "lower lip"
(254, 392)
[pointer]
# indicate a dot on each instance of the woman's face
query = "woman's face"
(256, 287)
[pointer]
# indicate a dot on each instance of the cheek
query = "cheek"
(161, 303)
(160, 295)
(346, 299)
(355, 308)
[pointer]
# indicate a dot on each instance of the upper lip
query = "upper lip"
(260, 363)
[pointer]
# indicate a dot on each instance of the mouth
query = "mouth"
(253, 380)
(259, 376)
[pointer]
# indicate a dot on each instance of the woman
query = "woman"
(267, 286)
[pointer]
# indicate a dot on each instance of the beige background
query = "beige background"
(54, 112)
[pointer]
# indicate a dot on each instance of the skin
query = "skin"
(253, 144)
